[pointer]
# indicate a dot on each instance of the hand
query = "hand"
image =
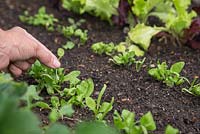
(19, 50)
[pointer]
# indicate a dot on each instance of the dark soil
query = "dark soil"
(137, 92)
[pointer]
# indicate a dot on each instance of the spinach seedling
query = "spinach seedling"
(170, 130)
(126, 122)
(100, 109)
(58, 108)
(73, 30)
(139, 63)
(30, 95)
(40, 19)
(49, 79)
(194, 89)
(170, 76)
(77, 94)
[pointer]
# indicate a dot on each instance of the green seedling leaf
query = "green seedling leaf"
(91, 104)
(121, 47)
(177, 67)
(41, 104)
(100, 96)
(105, 107)
(55, 101)
(101, 48)
(136, 50)
(72, 77)
(31, 95)
(148, 122)
(94, 128)
(54, 115)
(57, 129)
(125, 121)
(66, 110)
(86, 87)
(142, 35)
(69, 45)
(171, 130)
(60, 53)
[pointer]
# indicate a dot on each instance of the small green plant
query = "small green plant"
(30, 96)
(170, 76)
(77, 93)
(70, 31)
(194, 89)
(100, 109)
(170, 130)
(59, 109)
(49, 79)
(101, 48)
(40, 19)
(69, 45)
(126, 122)
(125, 58)
(139, 64)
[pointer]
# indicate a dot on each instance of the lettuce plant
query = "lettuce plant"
(126, 122)
(170, 76)
(174, 15)
(93, 7)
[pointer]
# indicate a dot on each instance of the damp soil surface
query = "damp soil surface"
(137, 92)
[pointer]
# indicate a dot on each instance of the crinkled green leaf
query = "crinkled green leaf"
(142, 35)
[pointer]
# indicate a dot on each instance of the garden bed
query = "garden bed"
(135, 91)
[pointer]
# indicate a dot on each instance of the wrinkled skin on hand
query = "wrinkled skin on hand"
(19, 50)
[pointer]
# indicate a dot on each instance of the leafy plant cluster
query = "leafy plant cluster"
(93, 7)
(24, 121)
(14, 118)
(42, 18)
(77, 92)
(172, 77)
(121, 54)
(174, 14)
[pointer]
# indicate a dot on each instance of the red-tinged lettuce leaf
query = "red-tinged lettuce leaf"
(192, 35)
(123, 11)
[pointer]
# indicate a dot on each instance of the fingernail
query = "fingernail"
(56, 63)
